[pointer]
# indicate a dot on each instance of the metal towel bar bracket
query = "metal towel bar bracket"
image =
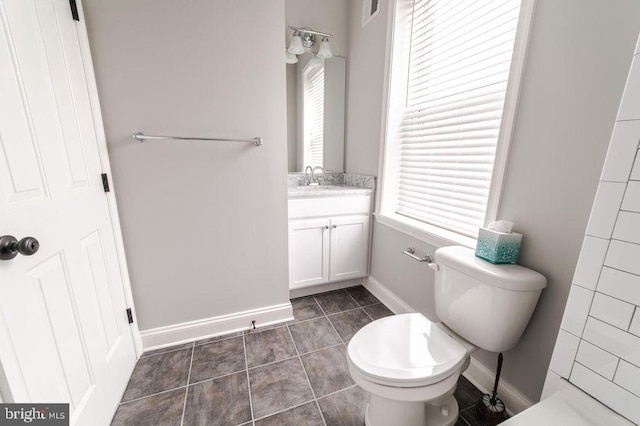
(141, 137)
(411, 252)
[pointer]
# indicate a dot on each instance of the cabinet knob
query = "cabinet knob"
(326, 227)
(334, 226)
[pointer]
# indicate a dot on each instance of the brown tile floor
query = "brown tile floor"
(291, 374)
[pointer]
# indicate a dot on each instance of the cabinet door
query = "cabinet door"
(349, 247)
(308, 252)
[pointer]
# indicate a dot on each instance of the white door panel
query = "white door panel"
(308, 252)
(349, 247)
(64, 335)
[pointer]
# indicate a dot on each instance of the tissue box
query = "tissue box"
(498, 247)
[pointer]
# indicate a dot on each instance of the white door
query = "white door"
(308, 252)
(64, 334)
(349, 247)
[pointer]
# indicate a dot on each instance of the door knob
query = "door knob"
(10, 246)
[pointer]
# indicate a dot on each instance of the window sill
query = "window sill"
(429, 234)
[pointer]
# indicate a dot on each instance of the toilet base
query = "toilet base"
(384, 412)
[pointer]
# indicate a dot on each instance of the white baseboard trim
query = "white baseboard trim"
(479, 375)
(321, 288)
(185, 332)
(483, 378)
(386, 296)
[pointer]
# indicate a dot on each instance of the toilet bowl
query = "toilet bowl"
(411, 365)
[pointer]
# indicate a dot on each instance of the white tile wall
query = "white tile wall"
(620, 284)
(607, 321)
(622, 151)
(635, 323)
(624, 256)
(631, 201)
(577, 310)
(605, 209)
(607, 392)
(620, 343)
(564, 353)
(635, 172)
(592, 254)
(612, 311)
(596, 359)
(627, 227)
(628, 376)
(630, 105)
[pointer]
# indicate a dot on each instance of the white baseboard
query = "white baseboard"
(479, 375)
(321, 288)
(386, 296)
(483, 378)
(185, 332)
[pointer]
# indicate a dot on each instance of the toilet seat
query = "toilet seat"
(405, 351)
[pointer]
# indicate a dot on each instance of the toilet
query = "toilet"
(411, 365)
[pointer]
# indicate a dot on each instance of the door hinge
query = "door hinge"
(74, 10)
(130, 315)
(105, 182)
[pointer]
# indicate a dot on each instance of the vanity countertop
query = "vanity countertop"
(325, 190)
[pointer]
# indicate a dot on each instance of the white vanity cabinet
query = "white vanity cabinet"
(328, 239)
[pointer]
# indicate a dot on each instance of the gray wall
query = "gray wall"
(578, 59)
(204, 223)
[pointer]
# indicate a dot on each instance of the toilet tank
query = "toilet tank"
(488, 305)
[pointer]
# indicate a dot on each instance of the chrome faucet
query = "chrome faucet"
(308, 175)
(313, 176)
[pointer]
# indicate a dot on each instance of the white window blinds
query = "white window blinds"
(314, 116)
(459, 61)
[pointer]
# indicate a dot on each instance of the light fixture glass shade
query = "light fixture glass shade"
(316, 62)
(291, 58)
(296, 45)
(325, 50)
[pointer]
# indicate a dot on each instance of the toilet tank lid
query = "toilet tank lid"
(509, 277)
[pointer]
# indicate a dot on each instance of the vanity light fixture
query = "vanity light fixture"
(291, 58)
(305, 38)
(296, 44)
(325, 50)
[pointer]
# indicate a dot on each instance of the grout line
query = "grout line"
(307, 376)
(217, 377)
(318, 350)
(367, 313)
(244, 346)
(352, 298)
(293, 407)
(186, 393)
(272, 362)
(152, 394)
(338, 391)
(325, 315)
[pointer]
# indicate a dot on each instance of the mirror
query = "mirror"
(316, 113)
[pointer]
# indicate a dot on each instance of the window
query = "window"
(313, 115)
(451, 65)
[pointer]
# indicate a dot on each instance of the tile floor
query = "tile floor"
(290, 374)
